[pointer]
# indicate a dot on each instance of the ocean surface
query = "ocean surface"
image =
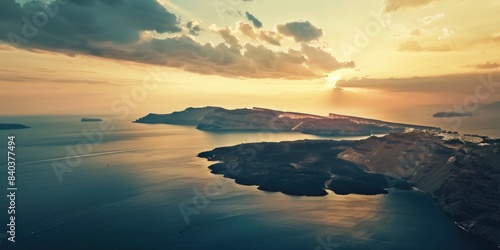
(142, 187)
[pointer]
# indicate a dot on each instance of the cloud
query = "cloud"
(460, 84)
(445, 33)
(415, 32)
(430, 19)
(322, 60)
(301, 31)
(127, 30)
(487, 65)
(193, 27)
(256, 23)
(413, 46)
(78, 25)
(270, 37)
(267, 36)
(396, 5)
(254, 61)
(227, 34)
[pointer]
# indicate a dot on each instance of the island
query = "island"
(215, 119)
(451, 114)
(90, 119)
(11, 126)
(460, 172)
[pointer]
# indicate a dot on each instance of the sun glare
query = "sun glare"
(331, 82)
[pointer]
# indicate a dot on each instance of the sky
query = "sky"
(362, 57)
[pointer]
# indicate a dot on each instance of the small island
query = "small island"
(90, 119)
(451, 114)
(11, 126)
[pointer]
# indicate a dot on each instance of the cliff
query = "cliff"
(460, 172)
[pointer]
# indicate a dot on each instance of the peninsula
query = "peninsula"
(261, 119)
(460, 172)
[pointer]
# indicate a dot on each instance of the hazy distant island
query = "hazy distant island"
(10, 126)
(261, 119)
(90, 119)
(495, 106)
(460, 172)
(451, 114)
(491, 108)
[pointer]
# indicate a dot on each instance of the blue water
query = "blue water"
(125, 193)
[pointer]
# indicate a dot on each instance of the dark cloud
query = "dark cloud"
(256, 23)
(193, 27)
(301, 31)
(396, 5)
(122, 30)
(487, 65)
(253, 62)
(78, 25)
(460, 84)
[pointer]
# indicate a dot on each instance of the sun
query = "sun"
(331, 82)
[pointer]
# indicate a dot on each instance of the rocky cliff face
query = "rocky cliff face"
(462, 174)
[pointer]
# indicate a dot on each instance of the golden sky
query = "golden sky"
(91, 57)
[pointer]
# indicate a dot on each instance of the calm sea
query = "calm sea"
(125, 192)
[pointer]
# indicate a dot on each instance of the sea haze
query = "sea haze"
(125, 193)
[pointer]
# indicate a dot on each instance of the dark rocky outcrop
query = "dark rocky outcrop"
(451, 114)
(90, 119)
(298, 168)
